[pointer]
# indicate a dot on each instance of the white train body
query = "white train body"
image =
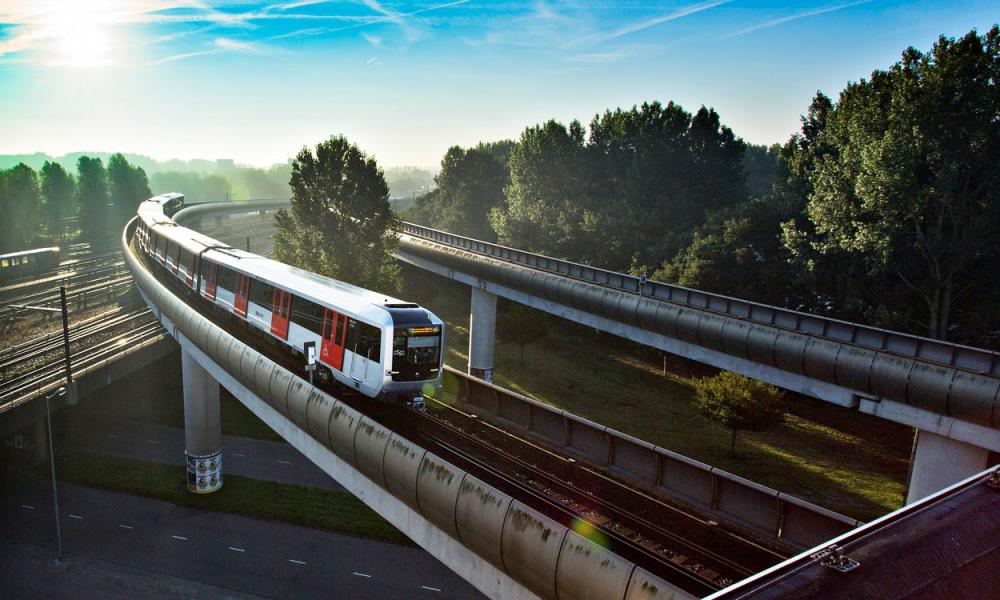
(381, 346)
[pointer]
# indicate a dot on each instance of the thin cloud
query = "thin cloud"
(802, 15)
(184, 56)
(238, 46)
(639, 26)
(374, 40)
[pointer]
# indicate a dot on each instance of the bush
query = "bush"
(738, 402)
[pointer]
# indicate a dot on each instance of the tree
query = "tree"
(92, 198)
(657, 171)
(739, 403)
(548, 206)
(20, 203)
(58, 190)
(127, 187)
(738, 252)
(521, 325)
(471, 184)
(760, 163)
(630, 195)
(910, 181)
(340, 223)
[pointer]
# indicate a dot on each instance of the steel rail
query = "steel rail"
(683, 519)
(39, 380)
(46, 344)
(691, 581)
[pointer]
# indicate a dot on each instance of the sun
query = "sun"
(79, 34)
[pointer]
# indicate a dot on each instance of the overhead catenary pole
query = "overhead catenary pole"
(65, 324)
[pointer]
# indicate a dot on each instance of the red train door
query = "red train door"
(242, 285)
(211, 274)
(332, 345)
(282, 303)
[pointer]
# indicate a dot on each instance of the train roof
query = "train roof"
(162, 198)
(49, 250)
(320, 289)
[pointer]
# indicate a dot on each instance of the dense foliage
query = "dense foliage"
(628, 194)
(471, 184)
(739, 403)
(340, 223)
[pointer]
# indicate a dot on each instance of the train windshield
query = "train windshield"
(416, 353)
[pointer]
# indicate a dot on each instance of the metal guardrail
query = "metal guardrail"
(760, 509)
(902, 344)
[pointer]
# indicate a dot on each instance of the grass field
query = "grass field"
(846, 461)
(311, 507)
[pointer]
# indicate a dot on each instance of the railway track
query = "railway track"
(695, 553)
(13, 360)
(34, 381)
(68, 268)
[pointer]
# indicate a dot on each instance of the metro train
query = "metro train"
(27, 262)
(381, 346)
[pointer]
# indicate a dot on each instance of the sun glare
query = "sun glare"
(79, 33)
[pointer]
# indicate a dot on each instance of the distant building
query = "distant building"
(225, 163)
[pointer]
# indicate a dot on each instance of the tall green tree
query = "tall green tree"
(92, 198)
(471, 184)
(630, 195)
(738, 252)
(548, 207)
(910, 181)
(340, 223)
(20, 204)
(58, 195)
(127, 187)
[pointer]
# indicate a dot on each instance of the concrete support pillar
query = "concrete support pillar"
(40, 440)
(202, 428)
(482, 334)
(939, 462)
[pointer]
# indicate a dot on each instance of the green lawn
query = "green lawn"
(311, 507)
(846, 461)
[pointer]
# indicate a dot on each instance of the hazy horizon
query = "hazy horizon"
(255, 81)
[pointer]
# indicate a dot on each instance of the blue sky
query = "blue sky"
(255, 81)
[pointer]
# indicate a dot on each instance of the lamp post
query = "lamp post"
(62, 391)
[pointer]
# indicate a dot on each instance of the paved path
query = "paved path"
(221, 552)
(259, 459)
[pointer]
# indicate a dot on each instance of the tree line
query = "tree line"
(883, 208)
(36, 206)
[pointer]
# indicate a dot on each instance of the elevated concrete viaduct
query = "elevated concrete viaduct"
(948, 392)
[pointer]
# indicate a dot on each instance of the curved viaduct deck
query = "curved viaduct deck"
(500, 545)
(949, 392)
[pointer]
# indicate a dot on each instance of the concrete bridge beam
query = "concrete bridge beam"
(202, 427)
(939, 461)
(482, 334)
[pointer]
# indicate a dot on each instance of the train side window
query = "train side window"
(261, 294)
(226, 279)
(369, 342)
(307, 314)
(340, 331)
(351, 338)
